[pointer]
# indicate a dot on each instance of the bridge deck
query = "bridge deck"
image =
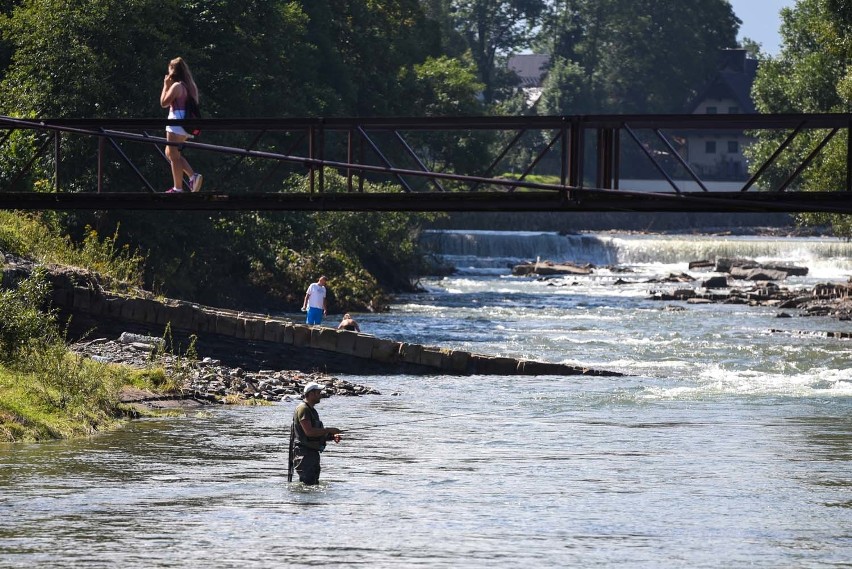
(585, 157)
(579, 200)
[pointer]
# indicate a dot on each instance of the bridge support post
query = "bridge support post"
(849, 157)
(311, 148)
(57, 156)
(100, 164)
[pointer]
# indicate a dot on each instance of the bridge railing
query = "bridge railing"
(560, 154)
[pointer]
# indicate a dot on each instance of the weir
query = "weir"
(496, 249)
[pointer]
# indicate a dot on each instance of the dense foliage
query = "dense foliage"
(812, 74)
(632, 56)
(288, 58)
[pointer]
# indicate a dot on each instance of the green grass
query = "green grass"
(46, 391)
(39, 237)
(36, 407)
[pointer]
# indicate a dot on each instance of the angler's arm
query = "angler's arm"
(312, 431)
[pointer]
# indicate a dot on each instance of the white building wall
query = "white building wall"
(662, 186)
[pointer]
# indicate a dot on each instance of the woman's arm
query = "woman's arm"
(171, 91)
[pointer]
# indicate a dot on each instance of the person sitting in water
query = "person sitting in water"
(348, 323)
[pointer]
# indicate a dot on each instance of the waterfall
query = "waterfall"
(493, 249)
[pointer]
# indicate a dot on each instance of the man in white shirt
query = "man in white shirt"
(315, 303)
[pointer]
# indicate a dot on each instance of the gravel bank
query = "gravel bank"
(206, 380)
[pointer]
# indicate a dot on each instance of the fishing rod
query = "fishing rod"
(435, 418)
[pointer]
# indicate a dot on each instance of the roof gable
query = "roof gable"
(733, 80)
(530, 68)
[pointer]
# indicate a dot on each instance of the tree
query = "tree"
(811, 75)
(444, 87)
(639, 56)
(493, 29)
(107, 58)
(565, 90)
(362, 47)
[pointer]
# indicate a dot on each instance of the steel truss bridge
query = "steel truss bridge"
(244, 162)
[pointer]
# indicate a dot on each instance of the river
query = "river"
(725, 445)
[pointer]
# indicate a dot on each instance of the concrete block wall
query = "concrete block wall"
(198, 319)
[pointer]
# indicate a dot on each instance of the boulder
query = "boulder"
(748, 269)
(678, 278)
(716, 282)
(698, 265)
(551, 268)
(725, 264)
(757, 274)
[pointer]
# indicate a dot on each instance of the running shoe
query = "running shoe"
(195, 182)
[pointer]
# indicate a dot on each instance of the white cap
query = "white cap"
(311, 386)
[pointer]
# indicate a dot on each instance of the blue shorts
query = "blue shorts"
(314, 316)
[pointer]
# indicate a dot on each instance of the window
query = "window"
(711, 110)
(733, 110)
(733, 147)
(710, 147)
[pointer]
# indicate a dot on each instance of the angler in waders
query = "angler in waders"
(308, 437)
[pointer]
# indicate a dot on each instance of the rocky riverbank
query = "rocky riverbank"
(205, 380)
(743, 281)
(732, 281)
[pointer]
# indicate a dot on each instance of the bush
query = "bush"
(22, 322)
(40, 237)
(69, 382)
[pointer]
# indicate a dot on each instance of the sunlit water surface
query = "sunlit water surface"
(727, 444)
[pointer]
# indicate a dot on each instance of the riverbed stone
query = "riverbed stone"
(757, 274)
(716, 282)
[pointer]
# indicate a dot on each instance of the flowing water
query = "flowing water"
(727, 444)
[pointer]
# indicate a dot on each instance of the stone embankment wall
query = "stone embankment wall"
(300, 346)
(356, 348)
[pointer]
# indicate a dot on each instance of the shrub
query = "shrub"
(22, 322)
(40, 237)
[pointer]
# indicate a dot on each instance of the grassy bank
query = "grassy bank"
(78, 397)
(40, 237)
(46, 391)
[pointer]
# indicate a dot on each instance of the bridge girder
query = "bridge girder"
(575, 141)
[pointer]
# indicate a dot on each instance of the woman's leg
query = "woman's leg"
(178, 162)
